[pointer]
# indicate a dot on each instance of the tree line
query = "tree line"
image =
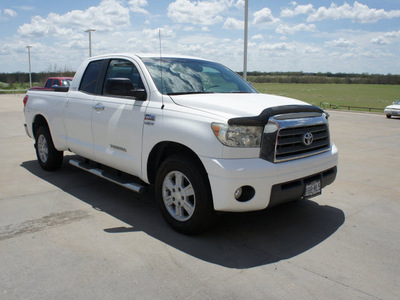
(20, 80)
(338, 78)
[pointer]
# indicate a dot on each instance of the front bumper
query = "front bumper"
(287, 191)
(392, 112)
(272, 183)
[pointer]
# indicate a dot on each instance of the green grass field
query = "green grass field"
(362, 95)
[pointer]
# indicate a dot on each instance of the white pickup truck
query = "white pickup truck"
(204, 137)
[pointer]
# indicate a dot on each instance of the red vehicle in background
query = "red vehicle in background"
(55, 82)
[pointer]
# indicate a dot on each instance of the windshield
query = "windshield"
(175, 76)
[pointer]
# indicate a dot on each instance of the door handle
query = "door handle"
(98, 107)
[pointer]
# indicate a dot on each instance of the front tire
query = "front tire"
(48, 156)
(388, 116)
(184, 195)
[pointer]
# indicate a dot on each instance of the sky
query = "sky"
(310, 36)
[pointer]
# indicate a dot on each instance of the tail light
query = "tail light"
(25, 100)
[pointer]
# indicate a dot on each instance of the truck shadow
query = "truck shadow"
(238, 240)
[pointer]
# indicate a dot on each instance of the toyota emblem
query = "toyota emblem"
(308, 138)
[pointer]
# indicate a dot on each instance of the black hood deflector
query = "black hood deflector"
(263, 118)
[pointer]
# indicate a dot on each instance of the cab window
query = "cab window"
(123, 79)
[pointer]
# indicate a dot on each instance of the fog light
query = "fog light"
(244, 193)
(238, 193)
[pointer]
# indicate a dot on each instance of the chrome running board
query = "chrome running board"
(98, 171)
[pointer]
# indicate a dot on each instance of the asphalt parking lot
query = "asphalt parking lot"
(71, 235)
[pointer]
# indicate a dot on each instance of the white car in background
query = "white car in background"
(393, 110)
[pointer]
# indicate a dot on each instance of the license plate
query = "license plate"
(313, 189)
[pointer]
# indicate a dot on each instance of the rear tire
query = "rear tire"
(48, 156)
(184, 195)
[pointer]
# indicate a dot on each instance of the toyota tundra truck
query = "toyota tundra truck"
(203, 138)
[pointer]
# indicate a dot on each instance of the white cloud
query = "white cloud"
(25, 7)
(38, 27)
(286, 29)
(340, 43)
(240, 4)
(188, 28)
(232, 23)
(198, 39)
(199, 12)
(275, 47)
(309, 49)
(257, 37)
(166, 32)
(297, 10)
(359, 48)
(386, 39)
(393, 34)
(19, 47)
(76, 44)
(359, 12)
(137, 6)
(9, 12)
(360, 54)
(264, 16)
(380, 40)
(105, 17)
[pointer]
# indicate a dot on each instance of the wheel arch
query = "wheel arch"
(39, 121)
(165, 149)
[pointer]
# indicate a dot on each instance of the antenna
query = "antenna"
(162, 81)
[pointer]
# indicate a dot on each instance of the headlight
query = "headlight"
(238, 136)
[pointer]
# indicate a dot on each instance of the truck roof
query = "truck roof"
(148, 55)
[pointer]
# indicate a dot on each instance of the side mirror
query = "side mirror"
(123, 87)
(119, 87)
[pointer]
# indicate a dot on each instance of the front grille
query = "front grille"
(290, 141)
(294, 138)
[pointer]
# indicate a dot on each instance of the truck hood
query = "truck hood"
(233, 105)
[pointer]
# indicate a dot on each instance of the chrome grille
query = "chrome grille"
(290, 141)
(295, 137)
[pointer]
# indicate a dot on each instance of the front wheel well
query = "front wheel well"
(165, 149)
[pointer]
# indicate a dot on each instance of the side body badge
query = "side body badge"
(149, 119)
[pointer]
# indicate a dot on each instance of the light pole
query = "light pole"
(246, 26)
(30, 71)
(90, 40)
